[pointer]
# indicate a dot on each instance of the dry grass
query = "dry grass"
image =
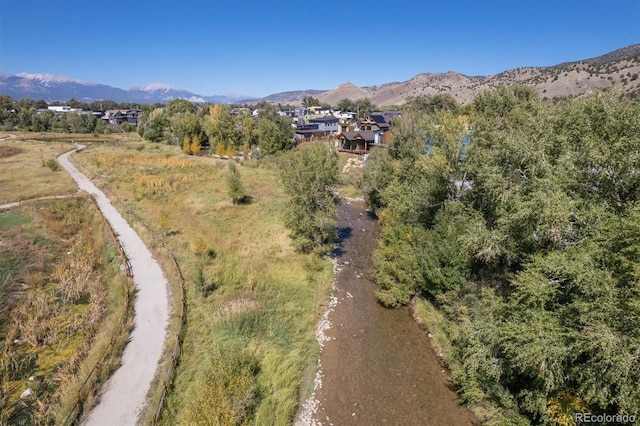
(264, 296)
(55, 305)
(24, 174)
(23, 157)
(9, 151)
(57, 316)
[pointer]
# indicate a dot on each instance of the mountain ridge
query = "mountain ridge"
(52, 88)
(619, 68)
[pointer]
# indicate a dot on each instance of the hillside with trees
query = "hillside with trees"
(512, 226)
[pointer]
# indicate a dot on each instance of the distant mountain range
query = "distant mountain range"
(61, 88)
(619, 69)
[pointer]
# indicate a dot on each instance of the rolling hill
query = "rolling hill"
(620, 69)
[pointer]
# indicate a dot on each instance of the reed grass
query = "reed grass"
(59, 313)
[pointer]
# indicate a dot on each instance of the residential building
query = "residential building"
(326, 124)
(358, 142)
(119, 116)
(62, 109)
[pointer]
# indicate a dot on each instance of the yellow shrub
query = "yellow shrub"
(186, 145)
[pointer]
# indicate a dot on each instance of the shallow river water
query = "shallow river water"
(377, 366)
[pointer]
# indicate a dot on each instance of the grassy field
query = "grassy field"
(57, 314)
(249, 352)
(58, 317)
(24, 157)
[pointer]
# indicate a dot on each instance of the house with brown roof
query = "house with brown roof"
(358, 142)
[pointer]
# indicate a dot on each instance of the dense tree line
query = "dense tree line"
(216, 126)
(32, 115)
(171, 123)
(520, 220)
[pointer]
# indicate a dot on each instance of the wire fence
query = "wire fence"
(177, 346)
(82, 393)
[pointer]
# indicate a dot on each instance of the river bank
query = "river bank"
(377, 365)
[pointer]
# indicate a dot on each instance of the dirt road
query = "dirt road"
(377, 366)
(123, 396)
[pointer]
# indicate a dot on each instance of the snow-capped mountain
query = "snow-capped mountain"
(57, 88)
(167, 92)
(51, 87)
(48, 79)
(155, 87)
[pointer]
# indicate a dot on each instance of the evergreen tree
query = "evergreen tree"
(235, 188)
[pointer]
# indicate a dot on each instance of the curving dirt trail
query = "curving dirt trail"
(124, 395)
(377, 366)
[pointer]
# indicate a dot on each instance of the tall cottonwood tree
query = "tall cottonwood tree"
(535, 262)
(152, 125)
(183, 124)
(219, 126)
(274, 133)
(308, 175)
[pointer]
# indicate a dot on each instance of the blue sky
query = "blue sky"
(257, 48)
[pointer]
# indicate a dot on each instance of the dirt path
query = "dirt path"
(14, 204)
(124, 395)
(377, 366)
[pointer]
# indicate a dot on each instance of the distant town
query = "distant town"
(352, 133)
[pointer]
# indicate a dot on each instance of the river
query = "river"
(377, 366)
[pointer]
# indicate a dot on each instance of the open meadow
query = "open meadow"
(29, 167)
(249, 352)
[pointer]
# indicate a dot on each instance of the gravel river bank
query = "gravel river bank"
(377, 365)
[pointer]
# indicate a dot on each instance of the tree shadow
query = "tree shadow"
(245, 200)
(343, 233)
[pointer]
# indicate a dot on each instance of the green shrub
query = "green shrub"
(52, 164)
